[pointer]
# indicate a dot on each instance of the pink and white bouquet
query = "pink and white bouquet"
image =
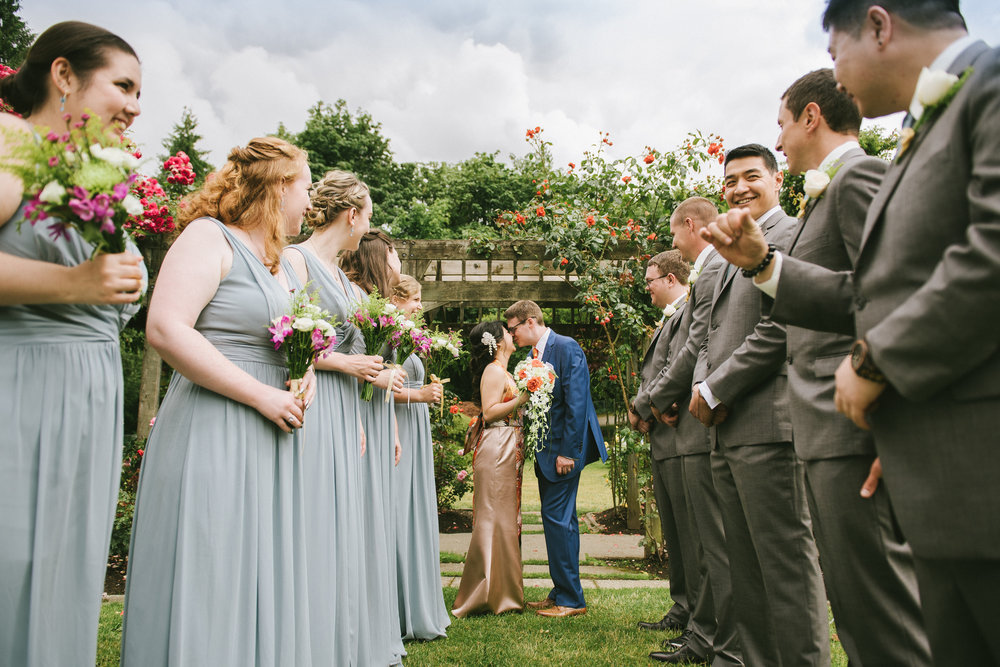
(378, 320)
(411, 337)
(306, 333)
(445, 349)
(538, 378)
(79, 178)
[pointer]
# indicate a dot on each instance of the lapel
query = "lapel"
(730, 270)
(844, 160)
(652, 342)
(550, 345)
(898, 166)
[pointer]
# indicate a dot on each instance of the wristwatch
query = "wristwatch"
(863, 364)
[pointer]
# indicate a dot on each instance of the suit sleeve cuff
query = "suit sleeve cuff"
(642, 405)
(706, 393)
(770, 286)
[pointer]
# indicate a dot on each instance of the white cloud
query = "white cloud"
(448, 78)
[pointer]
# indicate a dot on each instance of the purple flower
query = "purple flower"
(82, 208)
(119, 191)
(52, 136)
(53, 161)
(80, 193)
(57, 229)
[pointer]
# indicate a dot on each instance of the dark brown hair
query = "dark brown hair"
(367, 267)
(671, 261)
(849, 15)
(86, 48)
(837, 107)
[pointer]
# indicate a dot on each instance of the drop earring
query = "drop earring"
(62, 103)
(352, 230)
(282, 204)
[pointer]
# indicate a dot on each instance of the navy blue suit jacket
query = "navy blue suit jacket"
(573, 428)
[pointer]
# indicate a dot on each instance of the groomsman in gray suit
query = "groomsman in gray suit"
(713, 628)
(667, 283)
(923, 302)
(778, 595)
(867, 564)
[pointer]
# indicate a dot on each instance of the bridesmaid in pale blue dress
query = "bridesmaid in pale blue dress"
(422, 613)
(333, 435)
(217, 565)
(60, 367)
(375, 265)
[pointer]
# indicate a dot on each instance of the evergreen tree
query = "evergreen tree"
(184, 137)
(15, 38)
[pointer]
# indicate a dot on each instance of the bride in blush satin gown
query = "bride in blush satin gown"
(491, 579)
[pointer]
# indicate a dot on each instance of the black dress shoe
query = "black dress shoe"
(682, 656)
(677, 642)
(665, 623)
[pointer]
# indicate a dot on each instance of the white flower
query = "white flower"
(132, 205)
(114, 156)
(931, 87)
(389, 308)
(324, 326)
(815, 183)
(668, 310)
(53, 193)
(303, 324)
(694, 275)
(453, 350)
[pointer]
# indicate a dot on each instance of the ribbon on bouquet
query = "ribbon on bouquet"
(442, 382)
(392, 374)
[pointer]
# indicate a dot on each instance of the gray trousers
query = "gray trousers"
(960, 610)
(712, 621)
(668, 488)
(778, 595)
(867, 566)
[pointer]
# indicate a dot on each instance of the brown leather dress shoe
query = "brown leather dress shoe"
(558, 611)
(546, 603)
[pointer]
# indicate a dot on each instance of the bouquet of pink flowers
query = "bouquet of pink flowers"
(306, 333)
(538, 378)
(411, 337)
(80, 178)
(378, 320)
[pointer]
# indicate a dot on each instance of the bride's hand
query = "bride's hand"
(523, 398)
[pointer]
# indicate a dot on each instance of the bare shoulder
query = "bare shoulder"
(15, 123)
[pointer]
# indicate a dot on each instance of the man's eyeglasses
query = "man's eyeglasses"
(649, 281)
(514, 328)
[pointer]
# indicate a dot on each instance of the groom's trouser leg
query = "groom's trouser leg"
(562, 538)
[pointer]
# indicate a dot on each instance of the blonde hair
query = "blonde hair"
(407, 288)
(336, 192)
(246, 192)
(524, 309)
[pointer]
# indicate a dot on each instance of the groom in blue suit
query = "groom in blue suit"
(572, 441)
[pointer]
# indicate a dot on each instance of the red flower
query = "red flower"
(713, 148)
(572, 166)
(651, 237)
(454, 410)
(540, 211)
(520, 219)
(590, 221)
(534, 384)
(649, 159)
(140, 452)
(626, 179)
(563, 262)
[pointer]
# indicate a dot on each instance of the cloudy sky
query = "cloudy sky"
(448, 78)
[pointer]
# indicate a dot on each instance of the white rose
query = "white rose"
(53, 193)
(815, 183)
(669, 310)
(303, 324)
(932, 86)
(324, 326)
(132, 205)
(389, 308)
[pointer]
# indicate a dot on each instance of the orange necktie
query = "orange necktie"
(534, 353)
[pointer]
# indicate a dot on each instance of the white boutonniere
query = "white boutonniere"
(695, 271)
(815, 185)
(668, 310)
(935, 89)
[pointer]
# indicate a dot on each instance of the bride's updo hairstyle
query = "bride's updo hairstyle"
(83, 45)
(481, 355)
(246, 192)
(336, 192)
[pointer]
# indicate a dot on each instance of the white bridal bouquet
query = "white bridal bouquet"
(538, 379)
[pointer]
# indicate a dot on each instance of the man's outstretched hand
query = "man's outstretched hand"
(737, 237)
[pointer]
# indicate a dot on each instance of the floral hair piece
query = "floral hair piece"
(490, 342)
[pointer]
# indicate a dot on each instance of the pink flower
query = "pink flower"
(151, 422)
(53, 161)
(462, 474)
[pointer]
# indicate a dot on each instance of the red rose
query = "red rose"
(590, 221)
(572, 166)
(454, 410)
(534, 384)
(651, 237)
(626, 179)
(540, 211)
(649, 159)
(563, 262)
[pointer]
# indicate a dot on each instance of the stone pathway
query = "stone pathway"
(533, 549)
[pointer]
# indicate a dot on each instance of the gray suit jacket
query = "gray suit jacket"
(925, 293)
(674, 382)
(661, 352)
(829, 235)
(745, 355)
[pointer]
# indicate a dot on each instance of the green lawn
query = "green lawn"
(606, 635)
(594, 494)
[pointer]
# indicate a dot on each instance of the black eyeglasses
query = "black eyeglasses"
(649, 281)
(514, 328)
